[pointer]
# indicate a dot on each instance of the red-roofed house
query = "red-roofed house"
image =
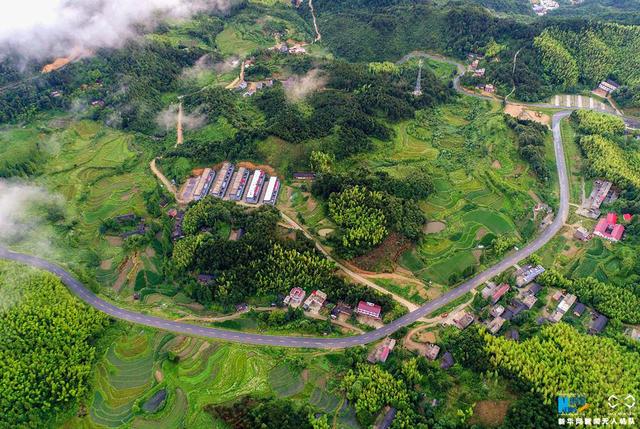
(369, 309)
(627, 217)
(608, 228)
(499, 293)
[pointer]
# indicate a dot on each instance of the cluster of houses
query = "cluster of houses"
(542, 7)
(290, 47)
(479, 72)
(252, 187)
(607, 227)
(566, 301)
(526, 299)
(317, 299)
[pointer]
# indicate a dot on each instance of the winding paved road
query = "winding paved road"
(511, 259)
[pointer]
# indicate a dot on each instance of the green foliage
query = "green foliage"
(589, 53)
(504, 243)
(252, 412)
(362, 223)
(590, 122)
(46, 346)
(613, 301)
(607, 159)
(371, 388)
(557, 60)
(531, 138)
(284, 269)
(561, 360)
(206, 213)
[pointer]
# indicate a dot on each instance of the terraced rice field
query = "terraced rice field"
(480, 183)
(123, 375)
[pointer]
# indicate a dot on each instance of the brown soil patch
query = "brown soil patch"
(433, 292)
(324, 232)
(128, 195)
(521, 112)
(197, 171)
(427, 337)
(311, 203)
(490, 413)
(150, 252)
(434, 227)
(106, 264)
(384, 257)
(113, 240)
(250, 165)
(125, 268)
(194, 306)
(477, 253)
(159, 376)
(534, 196)
(481, 233)
(496, 164)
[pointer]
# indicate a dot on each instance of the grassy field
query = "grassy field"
(574, 161)
(137, 366)
(251, 30)
(481, 184)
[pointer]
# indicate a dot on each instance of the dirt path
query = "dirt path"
(167, 184)
(179, 134)
(315, 22)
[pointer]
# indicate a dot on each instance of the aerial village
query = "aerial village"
(248, 89)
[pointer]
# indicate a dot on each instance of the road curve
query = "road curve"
(100, 304)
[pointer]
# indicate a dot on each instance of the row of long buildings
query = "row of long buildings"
(229, 183)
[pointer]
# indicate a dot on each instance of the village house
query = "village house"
(386, 418)
(446, 361)
(369, 309)
(499, 293)
(479, 73)
(512, 334)
(582, 234)
(633, 333)
(177, 232)
(497, 311)
(597, 324)
(295, 297)
(432, 351)
(495, 324)
(579, 309)
(315, 301)
(527, 274)
(608, 86)
(534, 289)
(488, 290)
(609, 228)
(341, 309)
(489, 88)
(463, 320)
(382, 351)
(529, 301)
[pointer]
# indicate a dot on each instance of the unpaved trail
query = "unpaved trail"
(167, 184)
(315, 22)
(179, 133)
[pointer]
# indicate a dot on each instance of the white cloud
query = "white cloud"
(49, 28)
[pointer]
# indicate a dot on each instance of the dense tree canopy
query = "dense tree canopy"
(46, 346)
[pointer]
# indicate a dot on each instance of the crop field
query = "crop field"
(93, 171)
(481, 184)
(600, 260)
(249, 30)
(195, 373)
